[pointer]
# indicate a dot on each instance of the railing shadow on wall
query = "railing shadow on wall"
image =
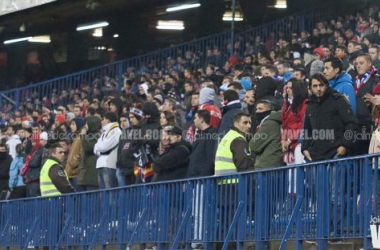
(322, 201)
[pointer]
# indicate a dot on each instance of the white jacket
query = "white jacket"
(109, 140)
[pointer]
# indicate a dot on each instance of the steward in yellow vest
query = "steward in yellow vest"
(233, 154)
(53, 178)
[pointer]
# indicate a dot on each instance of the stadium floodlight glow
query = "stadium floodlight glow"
(281, 4)
(227, 16)
(183, 7)
(170, 25)
(92, 26)
(98, 32)
(116, 35)
(40, 39)
(17, 40)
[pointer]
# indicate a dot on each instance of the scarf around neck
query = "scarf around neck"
(361, 80)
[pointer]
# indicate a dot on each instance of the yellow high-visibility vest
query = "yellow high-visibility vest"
(46, 185)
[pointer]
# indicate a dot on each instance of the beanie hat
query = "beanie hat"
(316, 66)
(158, 98)
(136, 111)
(376, 90)
(71, 115)
(246, 83)
(79, 122)
(60, 118)
(206, 95)
(320, 52)
(44, 136)
(118, 103)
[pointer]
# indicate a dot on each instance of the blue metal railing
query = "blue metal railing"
(159, 58)
(331, 200)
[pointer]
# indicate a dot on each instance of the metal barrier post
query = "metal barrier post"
(367, 201)
(242, 224)
(300, 193)
(259, 212)
(322, 206)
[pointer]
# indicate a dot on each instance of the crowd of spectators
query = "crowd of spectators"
(266, 106)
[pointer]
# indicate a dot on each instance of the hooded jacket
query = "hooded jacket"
(72, 164)
(228, 114)
(327, 121)
(343, 84)
(174, 162)
(15, 180)
(87, 175)
(266, 143)
(12, 143)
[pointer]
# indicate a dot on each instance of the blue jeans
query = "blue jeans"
(106, 178)
(120, 178)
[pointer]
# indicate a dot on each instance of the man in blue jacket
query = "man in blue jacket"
(232, 105)
(340, 80)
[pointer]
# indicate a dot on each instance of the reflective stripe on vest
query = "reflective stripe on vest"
(224, 163)
(46, 185)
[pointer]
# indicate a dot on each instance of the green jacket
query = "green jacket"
(266, 143)
(87, 175)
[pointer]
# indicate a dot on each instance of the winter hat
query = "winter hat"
(265, 86)
(44, 136)
(296, 54)
(376, 90)
(79, 122)
(136, 111)
(316, 66)
(118, 103)
(206, 95)
(173, 130)
(71, 115)
(158, 98)
(246, 83)
(60, 118)
(320, 52)
(145, 87)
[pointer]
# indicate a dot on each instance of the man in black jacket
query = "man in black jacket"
(364, 84)
(203, 154)
(5, 163)
(329, 122)
(174, 162)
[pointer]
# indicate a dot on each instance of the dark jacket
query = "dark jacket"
(59, 178)
(203, 154)
(125, 159)
(174, 162)
(363, 111)
(35, 164)
(87, 175)
(5, 164)
(228, 114)
(328, 119)
(266, 143)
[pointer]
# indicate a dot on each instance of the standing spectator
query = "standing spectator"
(284, 71)
(5, 163)
(75, 153)
(265, 144)
(340, 80)
(327, 112)
(173, 163)
(53, 178)
(206, 101)
(293, 114)
(203, 154)
(35, 165)
(231, 105)
(106, 149)
(365, 82)
(16, 184)
(13, 140)
(233, 154)
(87, 176)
